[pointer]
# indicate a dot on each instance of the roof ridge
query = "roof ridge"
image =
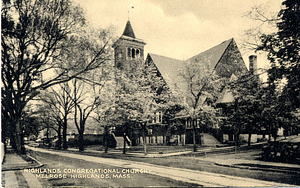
(165, 56)
(212, 48)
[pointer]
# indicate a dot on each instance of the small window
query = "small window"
(137, 53)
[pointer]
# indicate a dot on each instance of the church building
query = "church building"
(224, 59)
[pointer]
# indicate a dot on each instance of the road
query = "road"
(150, 174)
(106, 175)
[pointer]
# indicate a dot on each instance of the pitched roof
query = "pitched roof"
(128, 35)
(170, 67)
(128, 31)
(213, 55)
(226, 95)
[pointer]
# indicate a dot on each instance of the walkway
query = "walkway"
(191, 176)
(13, 175)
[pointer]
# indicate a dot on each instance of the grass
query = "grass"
(196, 162)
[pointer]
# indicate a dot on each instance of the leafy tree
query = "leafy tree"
(203, 87)
(281, 43)
(105, 113)
(245, 112)
(35, 35)
(140, 94)
(47, 119)
(283, 49)
(31, 122)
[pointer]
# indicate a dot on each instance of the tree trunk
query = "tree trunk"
(249, 139)
(48, 139)
(106, 138)
(124, 144)
(194, 139)
(80, 141)
(12, 138)
(275, 137)
(144, 139)
(59, 137)
(20, 149)
(64, 136)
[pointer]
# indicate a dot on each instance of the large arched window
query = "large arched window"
(133, 53)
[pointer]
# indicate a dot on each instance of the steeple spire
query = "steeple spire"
(128, 31)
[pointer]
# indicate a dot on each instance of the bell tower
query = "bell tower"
(128, 50)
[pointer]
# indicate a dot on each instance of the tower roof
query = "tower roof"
(128, 31)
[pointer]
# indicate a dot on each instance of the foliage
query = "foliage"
(203, 88)
(279, 97)
(36, 34)
(283, 52)
(32, 122)
(140, 93)
(245, 112)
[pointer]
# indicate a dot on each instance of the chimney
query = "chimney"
(253, 64)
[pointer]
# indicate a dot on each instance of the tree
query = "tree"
(106, 116)
(265, 24)
(245, 112)
(203, 87)
(283, 49)
(84, 106)
(281, 44)
(31, 122)
(59, 101)
(140, 94)
(35, 35)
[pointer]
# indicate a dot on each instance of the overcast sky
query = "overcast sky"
(178, 28)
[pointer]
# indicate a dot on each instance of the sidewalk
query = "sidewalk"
(12, 173)
(136, 154)
(256, 165)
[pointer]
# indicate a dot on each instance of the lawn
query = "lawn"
(197, 162)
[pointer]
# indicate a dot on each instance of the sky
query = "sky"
(179, 28)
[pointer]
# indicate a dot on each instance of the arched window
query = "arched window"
(137, 52)
(133, 53)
